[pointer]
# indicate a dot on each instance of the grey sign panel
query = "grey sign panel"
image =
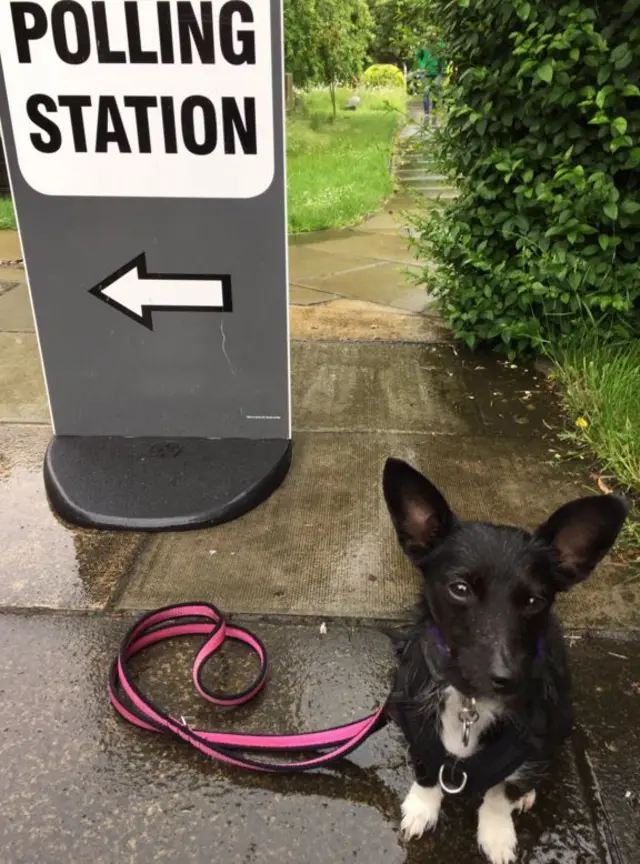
(145, 144)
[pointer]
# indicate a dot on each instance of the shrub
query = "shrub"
(383, 75)
(542, 140)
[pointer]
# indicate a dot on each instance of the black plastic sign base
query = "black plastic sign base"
(150, 484)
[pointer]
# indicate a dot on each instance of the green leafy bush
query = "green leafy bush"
(382, 75)
(542, 140)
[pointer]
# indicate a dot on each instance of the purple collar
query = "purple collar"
(444, 649)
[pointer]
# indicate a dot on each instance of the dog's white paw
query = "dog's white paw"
(522, 805)
(497, 834)
(420, 810)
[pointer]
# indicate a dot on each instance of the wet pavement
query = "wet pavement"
(372, 376)
(78, 784)
(22, 394)
(366, 264)
(10, 249)
(322, 543)
(15, 308)
(43, 564)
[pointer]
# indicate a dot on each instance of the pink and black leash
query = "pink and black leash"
(192, 619)
(480, 771)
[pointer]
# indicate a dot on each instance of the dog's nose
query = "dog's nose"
(503, 671)
(503, 683)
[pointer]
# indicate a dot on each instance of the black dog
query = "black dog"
(483, 689)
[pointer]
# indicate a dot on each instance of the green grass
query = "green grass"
(338, 169)
(600, 389)
(7, 217)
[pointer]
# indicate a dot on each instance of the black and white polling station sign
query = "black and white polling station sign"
(145, 144)
(157, 86)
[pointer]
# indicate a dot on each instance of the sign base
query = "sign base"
(151, 484)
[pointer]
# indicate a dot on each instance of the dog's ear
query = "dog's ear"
(419, 512)
(581, 533)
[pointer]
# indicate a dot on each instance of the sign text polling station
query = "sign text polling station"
(141, 98)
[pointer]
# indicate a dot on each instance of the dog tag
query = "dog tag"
(468, 716)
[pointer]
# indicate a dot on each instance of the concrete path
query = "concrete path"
(416, 173)
(374, 374)
(368, 264)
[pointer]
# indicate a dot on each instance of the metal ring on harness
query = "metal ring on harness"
(451, 790)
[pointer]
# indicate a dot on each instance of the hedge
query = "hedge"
(542, 140)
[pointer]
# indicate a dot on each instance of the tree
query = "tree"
(345, 30)
(402, 27)
(326, 41)
(300, 48)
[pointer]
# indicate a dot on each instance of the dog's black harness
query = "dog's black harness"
(504, 748)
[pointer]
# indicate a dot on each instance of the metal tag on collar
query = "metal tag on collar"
(468, 715)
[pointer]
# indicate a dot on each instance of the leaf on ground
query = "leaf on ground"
(602, 486)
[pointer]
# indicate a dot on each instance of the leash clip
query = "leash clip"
(468, 715)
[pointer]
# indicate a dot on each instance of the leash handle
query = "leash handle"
(191, 619)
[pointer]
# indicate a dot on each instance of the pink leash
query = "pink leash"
(191, 619)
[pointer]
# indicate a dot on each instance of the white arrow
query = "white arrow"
(137, 293)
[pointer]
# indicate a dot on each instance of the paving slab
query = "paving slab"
(22, 393)
(382, 246)
(381, 284)
(44, 563)
(413, 387)
(323, 543)
(369, 387)
(15, 309)
(304, 238)
(403, 202)
(306, 261)
(359, 320)
(12, 274)
(78, 784)
(607, 681)
(413, 300)
(385, 223)
(10, 249)
(5, 287)
(301, 296)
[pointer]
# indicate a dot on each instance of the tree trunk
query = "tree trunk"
(332, 91)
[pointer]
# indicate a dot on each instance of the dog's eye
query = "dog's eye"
(534, 603)
(460, 590)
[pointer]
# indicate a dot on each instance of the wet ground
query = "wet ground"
(371, 377)
(78, 785)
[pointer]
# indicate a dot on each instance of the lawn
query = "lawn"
(7, 219)
(338, 168)
(600, 389)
